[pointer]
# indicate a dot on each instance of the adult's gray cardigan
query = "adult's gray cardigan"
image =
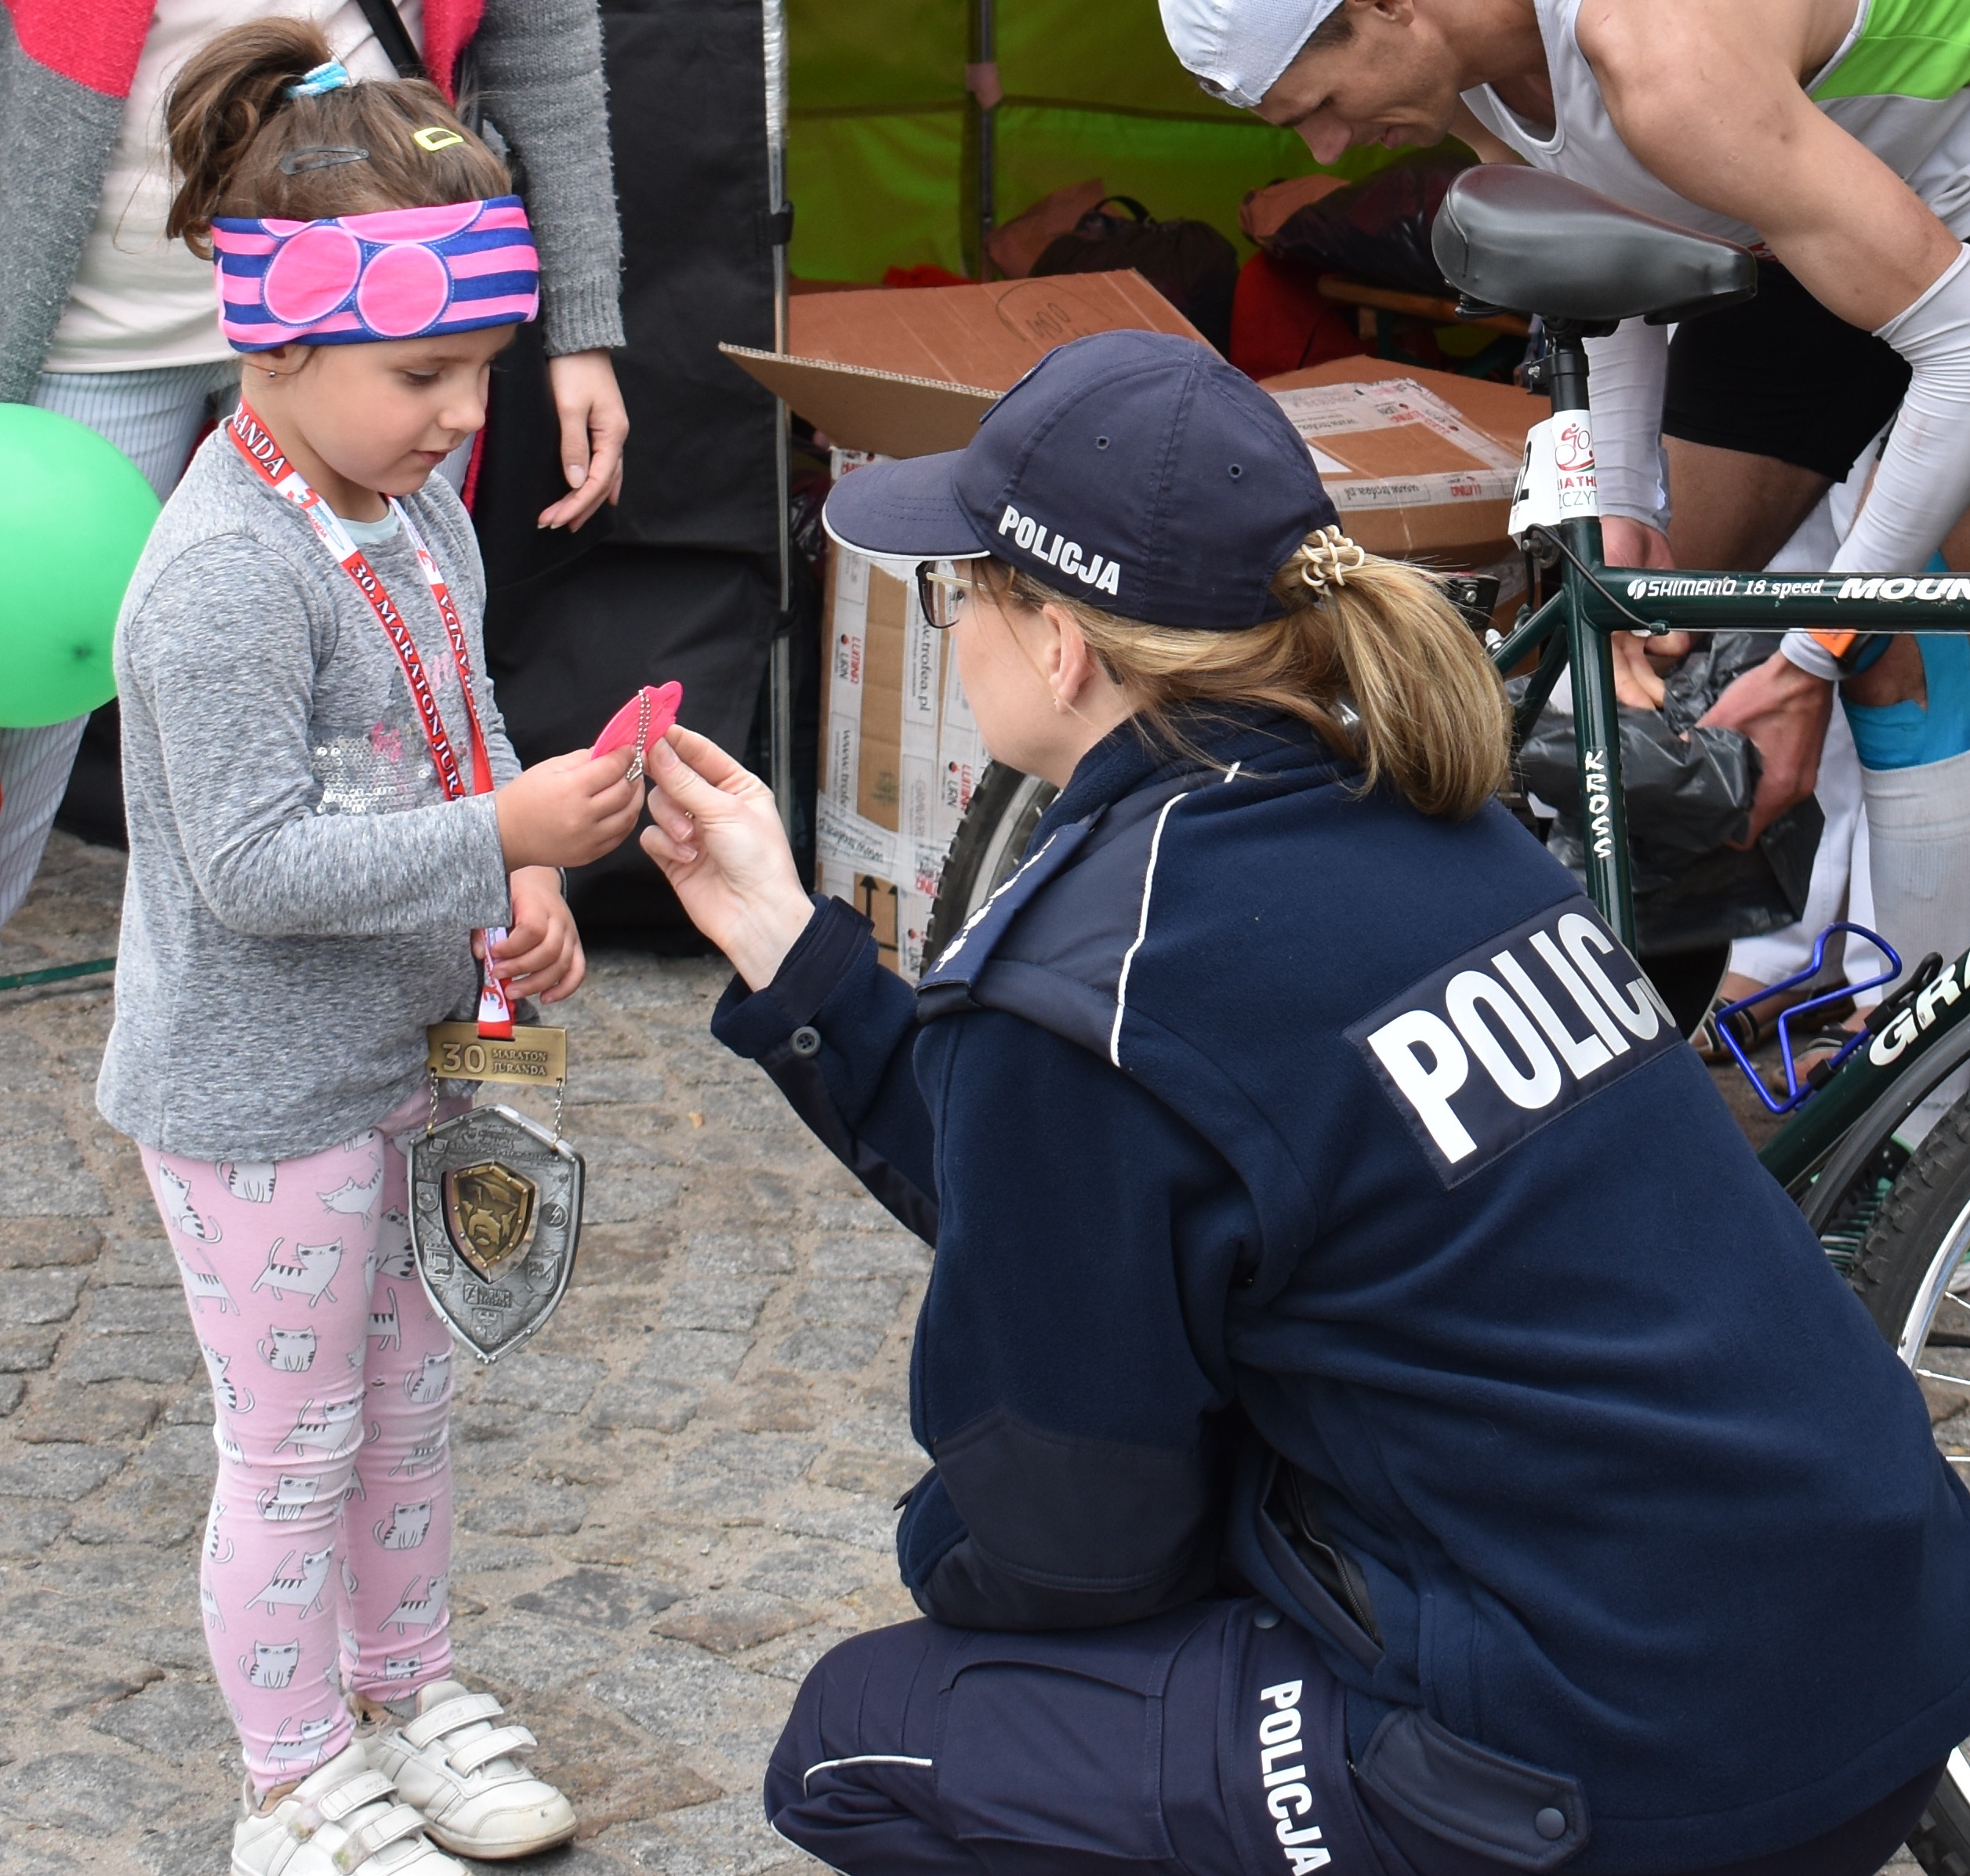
(540, 76)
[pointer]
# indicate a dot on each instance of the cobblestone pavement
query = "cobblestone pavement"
(670, 1504)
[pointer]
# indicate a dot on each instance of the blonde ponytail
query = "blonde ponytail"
(1369, 652)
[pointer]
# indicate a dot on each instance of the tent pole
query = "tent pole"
(779, 724)
(982, 81)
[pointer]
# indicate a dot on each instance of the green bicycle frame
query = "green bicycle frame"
(1574, 627)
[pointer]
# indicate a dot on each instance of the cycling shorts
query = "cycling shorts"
(1780, 375)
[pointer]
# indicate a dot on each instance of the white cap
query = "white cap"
(1239, 48)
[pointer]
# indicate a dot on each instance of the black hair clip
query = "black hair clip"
(321, 156)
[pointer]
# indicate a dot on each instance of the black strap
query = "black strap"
(394, 37)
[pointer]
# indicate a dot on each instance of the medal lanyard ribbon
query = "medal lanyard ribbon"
(256, 445)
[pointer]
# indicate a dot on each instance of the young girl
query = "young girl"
(327, 826)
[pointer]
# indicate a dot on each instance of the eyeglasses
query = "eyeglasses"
(942, 591)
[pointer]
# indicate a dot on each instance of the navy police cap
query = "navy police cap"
(1137, 470)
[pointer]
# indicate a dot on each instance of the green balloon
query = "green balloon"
(75, 513)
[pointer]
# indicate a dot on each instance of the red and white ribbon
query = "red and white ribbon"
(257, 445)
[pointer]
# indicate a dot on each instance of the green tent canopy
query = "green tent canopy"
(888, 151)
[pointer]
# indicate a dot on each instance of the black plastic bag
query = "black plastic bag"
(1378, 230)
(1689, 793)
(1189, 263)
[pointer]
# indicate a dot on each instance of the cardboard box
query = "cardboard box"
(910, 373)
(1421, 463)
(900, 752)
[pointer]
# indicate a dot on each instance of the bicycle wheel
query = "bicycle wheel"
(1912, 1272)
(1005, 808)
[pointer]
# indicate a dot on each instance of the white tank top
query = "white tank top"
(1899, 84)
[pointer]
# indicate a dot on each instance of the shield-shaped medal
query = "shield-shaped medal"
(495, 1212)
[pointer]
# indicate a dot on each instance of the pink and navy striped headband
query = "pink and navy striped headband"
(393, 273)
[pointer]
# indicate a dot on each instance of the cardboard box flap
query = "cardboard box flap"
(887, 413)
(992, 334)
(908, 373)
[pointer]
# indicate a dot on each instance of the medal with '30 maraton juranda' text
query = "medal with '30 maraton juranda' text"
(495, 1198)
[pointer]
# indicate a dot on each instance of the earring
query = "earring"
(272, 374)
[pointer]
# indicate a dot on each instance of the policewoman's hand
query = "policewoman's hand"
(567, 810)
(717, 837)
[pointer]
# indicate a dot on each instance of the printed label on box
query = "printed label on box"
(900, 758)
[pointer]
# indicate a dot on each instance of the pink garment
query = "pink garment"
(329, 1541)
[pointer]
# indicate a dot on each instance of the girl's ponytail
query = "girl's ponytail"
(242, 144)
(222, 100)
(1369, 652)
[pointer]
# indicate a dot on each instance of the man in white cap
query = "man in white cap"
(1832, 135)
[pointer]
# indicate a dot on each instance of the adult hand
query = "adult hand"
(541, 955)
(718, 838)
(1635, 682)
(567, 810)
(1627, 543)
(1784, 711)
(594, 427)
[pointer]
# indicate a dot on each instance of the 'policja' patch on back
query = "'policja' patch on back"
(1484, 1052)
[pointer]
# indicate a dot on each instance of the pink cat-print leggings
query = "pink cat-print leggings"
(330, 1538)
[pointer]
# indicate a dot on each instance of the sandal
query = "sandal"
(1752, 1034)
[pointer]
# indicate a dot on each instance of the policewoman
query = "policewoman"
(1383, 1417)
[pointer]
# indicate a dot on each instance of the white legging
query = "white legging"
(1842, 888)
(153, 417)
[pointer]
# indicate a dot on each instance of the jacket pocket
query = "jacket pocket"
(1294, 1506)
(1519, 1815)
(1300, 1572)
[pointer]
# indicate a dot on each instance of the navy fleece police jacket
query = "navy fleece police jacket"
(1255, 1102)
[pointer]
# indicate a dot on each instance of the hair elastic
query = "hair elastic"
(331, 76)
(1327, 556)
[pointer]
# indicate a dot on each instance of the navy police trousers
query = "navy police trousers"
(1197, 1743)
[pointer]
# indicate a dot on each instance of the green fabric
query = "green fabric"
(1909, 49)
(879, 162)
(870, 193)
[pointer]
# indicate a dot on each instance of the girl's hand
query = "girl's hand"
(567, 810)
(541, 955)
(720, 843)
(594, 427)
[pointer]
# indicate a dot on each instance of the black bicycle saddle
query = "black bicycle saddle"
(1523, 240)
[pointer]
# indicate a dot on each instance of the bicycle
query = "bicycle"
(1893, 1218)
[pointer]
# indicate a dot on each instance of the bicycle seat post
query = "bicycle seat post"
(1597, 731)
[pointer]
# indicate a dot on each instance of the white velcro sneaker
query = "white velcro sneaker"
(456, 1763)
(340, 1821)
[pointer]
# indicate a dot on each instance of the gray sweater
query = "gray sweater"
(540, 74)
(300, 894)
